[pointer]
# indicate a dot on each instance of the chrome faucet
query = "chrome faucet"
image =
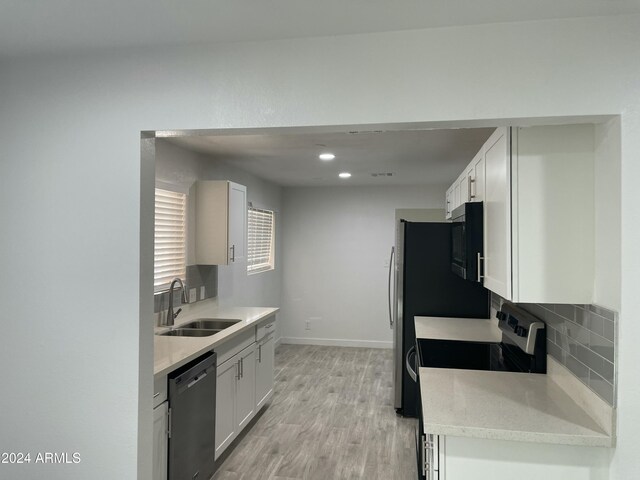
(171, 316)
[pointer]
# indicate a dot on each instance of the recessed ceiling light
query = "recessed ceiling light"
(344, 175)
(326, 156)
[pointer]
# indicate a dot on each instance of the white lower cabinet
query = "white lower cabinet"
(226, 427)
(462, 458)
(160, 441)
(246, 387)
(264, 370)
(235, 396)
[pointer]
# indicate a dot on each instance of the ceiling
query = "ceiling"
(415, 157)
(54, 26)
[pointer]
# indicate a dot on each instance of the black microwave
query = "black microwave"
(467, 241)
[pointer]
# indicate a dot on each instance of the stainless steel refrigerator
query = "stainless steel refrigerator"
(421, 283)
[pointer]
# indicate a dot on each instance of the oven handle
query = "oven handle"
(407, 362)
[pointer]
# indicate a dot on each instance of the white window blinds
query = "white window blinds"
(170, 238)
(260, 251)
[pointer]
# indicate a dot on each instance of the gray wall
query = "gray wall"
(337, 243)
(73, 193)
(177, 165)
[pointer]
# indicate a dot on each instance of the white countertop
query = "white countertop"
(458, 329)
(504, 406)
(173, 352)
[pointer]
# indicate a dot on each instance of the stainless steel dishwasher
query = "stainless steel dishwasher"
(192, 407)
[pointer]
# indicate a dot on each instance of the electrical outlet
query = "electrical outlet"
(202, 292)
(192, 295)
(307, 325)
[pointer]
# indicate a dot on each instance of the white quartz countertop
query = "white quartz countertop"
(504, 406)
(459, 329)
(173, 352)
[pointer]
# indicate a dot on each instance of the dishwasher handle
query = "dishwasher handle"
(191, 373)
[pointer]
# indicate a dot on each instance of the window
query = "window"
(169, 255)
(260, 251)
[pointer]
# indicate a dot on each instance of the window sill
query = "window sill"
(262, 270)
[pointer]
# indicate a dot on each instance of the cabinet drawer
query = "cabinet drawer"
(159, 390)
(266, 327)
(236, 344)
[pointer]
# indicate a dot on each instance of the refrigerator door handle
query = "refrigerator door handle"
(407, 362)
(390, 293)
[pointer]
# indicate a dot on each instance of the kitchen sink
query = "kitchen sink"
(190, 332)
(210, 324)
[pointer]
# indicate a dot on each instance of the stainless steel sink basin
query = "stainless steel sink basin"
(210, 324)
(190, 332)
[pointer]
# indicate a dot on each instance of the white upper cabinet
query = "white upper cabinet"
(469, 186)
(465, 185)
(497, 213)
(553, 219)
(449, 202)
(477, 181)
(456, 194)
(537, 187)
(221, 223)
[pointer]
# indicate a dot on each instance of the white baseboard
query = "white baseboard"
(336, 342)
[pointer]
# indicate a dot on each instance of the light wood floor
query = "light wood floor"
(331, 417)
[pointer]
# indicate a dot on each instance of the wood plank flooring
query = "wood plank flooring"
(331, 417)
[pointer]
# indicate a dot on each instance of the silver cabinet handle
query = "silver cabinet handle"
(479, 275)
(390, 292)
(472, 181)
(407, 363)
(260, 353)
(269, 326)
(156, 395)
(238, 368)
(233, 253)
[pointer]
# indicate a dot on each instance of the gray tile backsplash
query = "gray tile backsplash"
(582, 338)
(197, 276)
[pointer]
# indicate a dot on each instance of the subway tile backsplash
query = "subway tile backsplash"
(582, 338)
(197, 276)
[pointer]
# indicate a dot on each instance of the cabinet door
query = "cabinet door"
(456, 195)
(226, 424)
(477, 186)
(237, 223)
(160, 441)
(211, 221)
(246, 390)
(464, 188)
(264, 371)
(497, 213)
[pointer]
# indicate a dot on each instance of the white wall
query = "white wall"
(179, 166)
(70, 186)
(336, 250)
